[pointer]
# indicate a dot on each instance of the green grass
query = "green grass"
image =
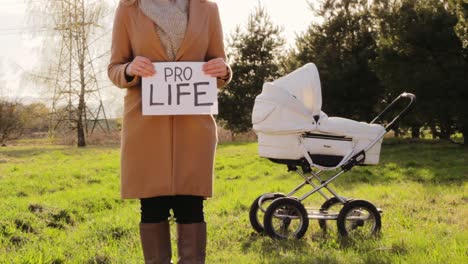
(61, 205)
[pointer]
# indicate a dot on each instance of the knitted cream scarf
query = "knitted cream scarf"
(170, 18)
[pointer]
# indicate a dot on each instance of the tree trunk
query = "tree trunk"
(415, 131)
(81, 106)
(80, 133)
(80, 126)
(464, 131)
(396, 129)
(82, 42)
(445, 131)
(434, 132)
(80, 122)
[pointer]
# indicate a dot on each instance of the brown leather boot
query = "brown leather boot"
(191, 243)
(156, 242)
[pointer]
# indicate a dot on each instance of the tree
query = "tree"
(11, 121)
(460, 7)
(72, 59)
(342, 47)
(36, 117)
(255, 52)
(419, 51)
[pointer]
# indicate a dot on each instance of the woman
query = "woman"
(167, 161)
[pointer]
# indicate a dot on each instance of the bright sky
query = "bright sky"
(19, 49)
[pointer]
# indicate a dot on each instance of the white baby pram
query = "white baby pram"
(292, 130)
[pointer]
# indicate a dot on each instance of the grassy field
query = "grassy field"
(61, 204)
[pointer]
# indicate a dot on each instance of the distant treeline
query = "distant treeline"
(18, 120)
(25, 121)
(367, 53)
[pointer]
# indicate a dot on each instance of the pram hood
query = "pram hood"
(289, 103)
(304, 85)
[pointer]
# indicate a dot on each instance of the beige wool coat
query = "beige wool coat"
(164, 155)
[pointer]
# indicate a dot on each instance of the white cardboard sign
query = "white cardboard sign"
(179, 88)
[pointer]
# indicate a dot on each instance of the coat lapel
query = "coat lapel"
(196, 24)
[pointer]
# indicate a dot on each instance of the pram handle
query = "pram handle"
(405, 111)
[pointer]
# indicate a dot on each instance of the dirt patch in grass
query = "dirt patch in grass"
(24, 226)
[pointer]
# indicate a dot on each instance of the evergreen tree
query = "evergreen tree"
(254, 51)
(419, 51)
(460, 7)
(342, 48)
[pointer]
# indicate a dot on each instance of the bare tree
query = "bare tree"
(71, 66)
(11, 121)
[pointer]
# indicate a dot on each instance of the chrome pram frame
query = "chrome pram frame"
(353, 214)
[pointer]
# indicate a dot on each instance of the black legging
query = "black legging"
(187, 209)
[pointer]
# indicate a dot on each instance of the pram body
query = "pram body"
(288, 120)
(292, 130)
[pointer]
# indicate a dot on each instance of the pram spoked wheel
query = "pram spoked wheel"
(358, 218)
(257, 210)
(286, 218)
(330, 207)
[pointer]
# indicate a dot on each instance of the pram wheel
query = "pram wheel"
(256, 212)
(331, 206)
(358, 218)
(286, 218)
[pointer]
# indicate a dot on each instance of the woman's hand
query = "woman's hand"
(216, 68)
(140, 66)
